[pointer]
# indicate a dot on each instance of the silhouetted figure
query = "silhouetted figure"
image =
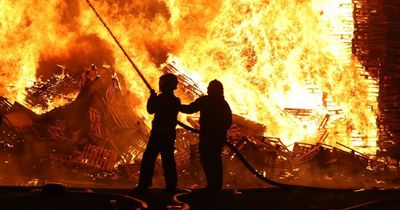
(215, 120)
(165, 108)
(89, 75)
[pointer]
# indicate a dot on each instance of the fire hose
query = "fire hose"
(243, 160)
(228, 144)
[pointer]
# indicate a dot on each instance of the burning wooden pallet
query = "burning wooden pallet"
(96, 127)
(8, 136)
(303, 152)
(385, 165)
(328, 159)
(59, 85)
(57, 130)
(187, 83)
(97, 157)
(262, 154)
(273, 144)
(5, 105)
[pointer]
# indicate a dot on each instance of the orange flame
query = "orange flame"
(267, 53)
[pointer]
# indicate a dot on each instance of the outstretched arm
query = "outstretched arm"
(191, 108)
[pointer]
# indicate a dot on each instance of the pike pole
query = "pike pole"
(130, 60)
(120, 46)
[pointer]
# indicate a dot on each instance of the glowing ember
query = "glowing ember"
(267, 53)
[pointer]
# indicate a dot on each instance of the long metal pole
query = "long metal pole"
(120, 46)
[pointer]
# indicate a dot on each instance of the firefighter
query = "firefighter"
(215, 120)
(165, 108)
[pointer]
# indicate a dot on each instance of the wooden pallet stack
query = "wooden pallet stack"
(44, 91)
(376, 43)
(8, 134)
(186, 82)
(97, 157)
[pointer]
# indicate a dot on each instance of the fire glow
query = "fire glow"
(270, 56)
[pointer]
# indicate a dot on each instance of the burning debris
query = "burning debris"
(98, 137)
(58, 87)
(8, 134)
(93, 132)
(101, 135)
(109, 139)
(271, 157)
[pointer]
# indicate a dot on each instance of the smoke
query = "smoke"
(81, 52)
(158, 51)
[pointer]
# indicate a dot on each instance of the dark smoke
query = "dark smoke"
(81, 52)
(87, 49)
(158, 51)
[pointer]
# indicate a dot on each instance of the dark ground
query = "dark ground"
(276, 198)
(24, 198)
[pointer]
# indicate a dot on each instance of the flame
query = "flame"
(267, 53)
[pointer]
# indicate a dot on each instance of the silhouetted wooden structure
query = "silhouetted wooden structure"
(376, 43)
